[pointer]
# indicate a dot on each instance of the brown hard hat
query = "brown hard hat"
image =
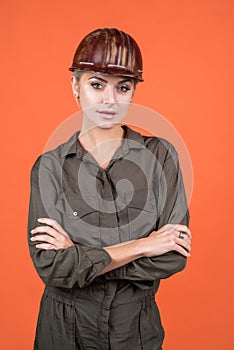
(109, 50)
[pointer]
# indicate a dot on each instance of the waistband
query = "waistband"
(73, 296)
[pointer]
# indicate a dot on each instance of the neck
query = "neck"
(95, 136)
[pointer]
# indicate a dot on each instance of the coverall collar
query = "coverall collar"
(73, 146)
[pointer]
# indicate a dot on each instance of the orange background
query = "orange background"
(188, 56)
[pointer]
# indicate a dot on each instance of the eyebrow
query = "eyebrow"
(105, 81)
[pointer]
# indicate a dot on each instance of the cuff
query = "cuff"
(92, 261)
(116, 274)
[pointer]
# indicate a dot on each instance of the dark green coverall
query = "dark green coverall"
(140, 191)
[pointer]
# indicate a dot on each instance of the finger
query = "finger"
(45, 246)
(52, 223)
(183, 228)
(46, 229)
(184, 243)
(183, 236)
(179, 227)
(43, 238)
(173, 236)
(181, 250)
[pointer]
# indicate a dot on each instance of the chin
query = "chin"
(107, 125)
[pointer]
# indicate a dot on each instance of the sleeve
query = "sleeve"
(173, 209)
(75, 266)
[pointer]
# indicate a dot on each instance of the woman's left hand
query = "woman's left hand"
(53, 236)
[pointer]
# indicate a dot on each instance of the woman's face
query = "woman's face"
(104, 98)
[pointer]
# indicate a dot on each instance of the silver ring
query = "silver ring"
(181, 235)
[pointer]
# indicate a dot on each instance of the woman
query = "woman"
(108, 215)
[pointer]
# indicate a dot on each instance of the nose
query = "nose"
(109, 95)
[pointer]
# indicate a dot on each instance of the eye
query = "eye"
(96, 85)
(124, 88)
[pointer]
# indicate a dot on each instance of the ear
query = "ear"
(75, 85)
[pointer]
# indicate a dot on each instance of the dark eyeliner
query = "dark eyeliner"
(93, 84)
(127, 88)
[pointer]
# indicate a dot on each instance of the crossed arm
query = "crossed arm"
(157, 243)
(62, 263)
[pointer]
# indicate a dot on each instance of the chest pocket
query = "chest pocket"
(142, 212)
(80, 218)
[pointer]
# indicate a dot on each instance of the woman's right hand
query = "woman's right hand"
(167, 239)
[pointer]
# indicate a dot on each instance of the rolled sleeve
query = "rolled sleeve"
(75, 266)
(173, 210)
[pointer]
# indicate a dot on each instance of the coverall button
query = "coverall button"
(75, 213)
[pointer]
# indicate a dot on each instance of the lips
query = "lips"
(107, 114)
(107, 111)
